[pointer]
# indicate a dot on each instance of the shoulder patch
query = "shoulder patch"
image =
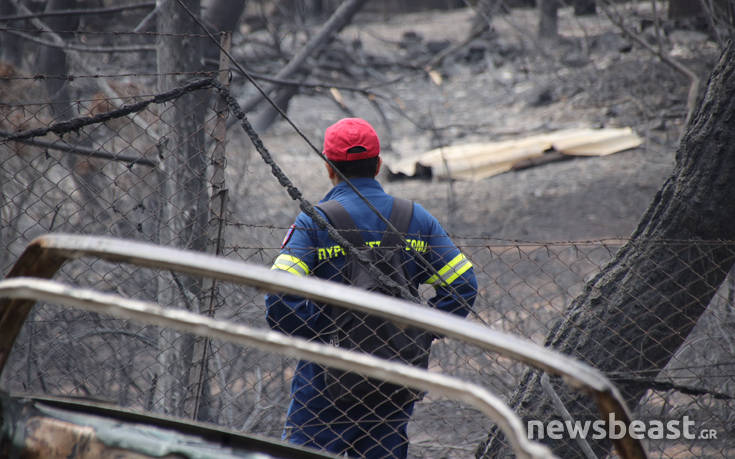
(289, 233)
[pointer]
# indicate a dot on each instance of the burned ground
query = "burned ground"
(594, 77)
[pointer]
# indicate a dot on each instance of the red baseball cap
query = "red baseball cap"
(349, 134)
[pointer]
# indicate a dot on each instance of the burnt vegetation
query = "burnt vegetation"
(640, 285)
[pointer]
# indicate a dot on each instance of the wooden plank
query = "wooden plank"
(600, 144)
(476, 161)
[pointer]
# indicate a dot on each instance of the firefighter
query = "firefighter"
(313, 419)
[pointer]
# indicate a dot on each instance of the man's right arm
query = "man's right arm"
(292, 314)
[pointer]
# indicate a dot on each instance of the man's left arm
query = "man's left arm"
(454, 278)
(456, 287)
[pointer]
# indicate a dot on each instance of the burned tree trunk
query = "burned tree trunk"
(224, 15)
(338, 21)
(221, 16)
(639, 309)
(548, 25)
(86, 172)
(182, 199)
(52, 61)
(11, 49)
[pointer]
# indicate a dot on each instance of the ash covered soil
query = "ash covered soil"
(503, 85)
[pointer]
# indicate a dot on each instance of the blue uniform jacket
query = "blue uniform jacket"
(308, 250)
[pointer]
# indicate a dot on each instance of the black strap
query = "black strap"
(400, 217)
(342, 222)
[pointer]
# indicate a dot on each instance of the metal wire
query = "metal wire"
(525, 285)
(525, 288)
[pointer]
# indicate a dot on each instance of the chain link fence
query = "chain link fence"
(127, 168)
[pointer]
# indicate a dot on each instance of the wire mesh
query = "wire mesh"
(156, 185)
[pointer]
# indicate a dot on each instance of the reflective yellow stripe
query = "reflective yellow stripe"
(458, 271)
(454, 269)
(291, 264)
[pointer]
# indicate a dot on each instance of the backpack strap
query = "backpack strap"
(400, 217)
(342, 222)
